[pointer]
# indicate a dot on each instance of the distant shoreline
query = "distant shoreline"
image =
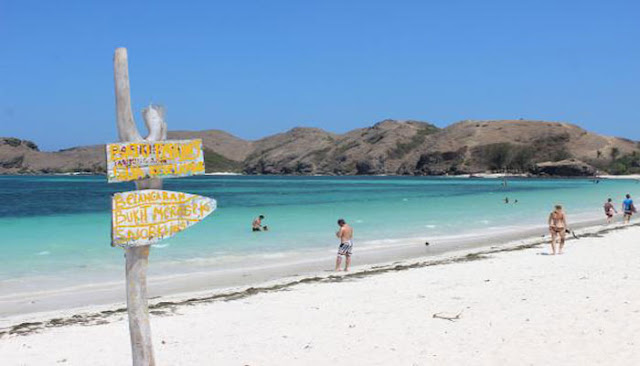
(470, 176)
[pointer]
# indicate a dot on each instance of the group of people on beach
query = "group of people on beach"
(558, 229)
(628, 209)
(558, 221)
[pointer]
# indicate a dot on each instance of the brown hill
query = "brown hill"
(23, 157)
(220, 142)
(514, 145)
(223, 152)
(388, 147)
(373, 150)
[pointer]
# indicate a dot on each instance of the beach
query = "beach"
(319, 183)
(502, 304)
(56, 230)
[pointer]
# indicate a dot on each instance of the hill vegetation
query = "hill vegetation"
(388, 147)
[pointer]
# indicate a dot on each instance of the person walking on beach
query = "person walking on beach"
(609, 210)
(628, 208)
(557, 228)
(345, 234)
(256, 225)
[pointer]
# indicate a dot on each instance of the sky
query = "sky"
(255, 68)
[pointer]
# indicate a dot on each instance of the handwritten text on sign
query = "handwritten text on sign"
(154, 159)
(147, 216)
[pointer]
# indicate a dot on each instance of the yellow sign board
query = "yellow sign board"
(147, 216)
(154, 159)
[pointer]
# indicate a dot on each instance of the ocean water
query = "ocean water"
(57, 229)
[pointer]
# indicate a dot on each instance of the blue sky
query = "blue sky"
(255, 68)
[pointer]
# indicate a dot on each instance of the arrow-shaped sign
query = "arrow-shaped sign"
(147, 216)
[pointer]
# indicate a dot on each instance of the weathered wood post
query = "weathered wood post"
(149, 214)
(137, 258)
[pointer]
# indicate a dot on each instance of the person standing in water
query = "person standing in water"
(628, 208)
(609, 210)
(345, 234)
(557, 228)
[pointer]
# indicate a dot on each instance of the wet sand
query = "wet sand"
(251, 272)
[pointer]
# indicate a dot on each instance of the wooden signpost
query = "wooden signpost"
(149, 214)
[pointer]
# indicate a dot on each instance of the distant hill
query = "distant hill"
(388, 147)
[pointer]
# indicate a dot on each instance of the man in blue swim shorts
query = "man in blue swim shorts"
(628, 208)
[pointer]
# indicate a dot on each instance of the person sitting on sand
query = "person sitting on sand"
(557, 227)
(609, 210)
(345, 234)
(628, 208)
(256, 225)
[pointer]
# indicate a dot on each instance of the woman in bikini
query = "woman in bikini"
(557, 227)
(609, 210)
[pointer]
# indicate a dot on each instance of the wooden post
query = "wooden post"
(139, 328)
(137, 258)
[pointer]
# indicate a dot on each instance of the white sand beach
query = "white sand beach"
(511, 304)
(627, 176)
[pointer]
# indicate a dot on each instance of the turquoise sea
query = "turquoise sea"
(57, 228)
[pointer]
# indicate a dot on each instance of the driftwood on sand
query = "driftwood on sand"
(451, 318)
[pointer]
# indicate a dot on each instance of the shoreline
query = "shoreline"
(29, 323)
(218, 258)
(255, 270)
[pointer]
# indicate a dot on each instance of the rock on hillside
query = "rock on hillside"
(566, 168)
